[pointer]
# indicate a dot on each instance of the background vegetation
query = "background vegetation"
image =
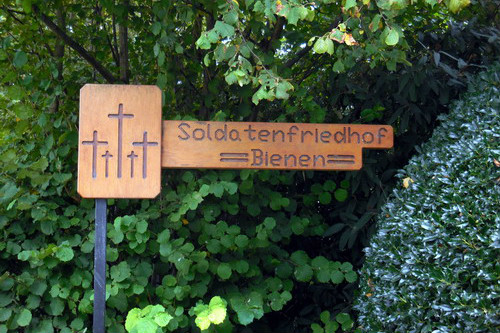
(433, 264)
(268, 250)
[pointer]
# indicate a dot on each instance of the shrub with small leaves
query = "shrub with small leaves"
(433, 265)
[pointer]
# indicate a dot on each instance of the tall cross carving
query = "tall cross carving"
(120, 116)
(144, 144)
(94, 143)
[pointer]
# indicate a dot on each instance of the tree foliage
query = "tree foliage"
(277, 248)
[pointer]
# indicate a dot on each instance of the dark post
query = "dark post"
(100, 266)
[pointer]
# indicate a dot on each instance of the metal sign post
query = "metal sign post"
(100, 266)
(122, 149)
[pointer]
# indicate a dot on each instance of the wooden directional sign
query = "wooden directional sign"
(122, 150)
(231, 145)
(119, 148)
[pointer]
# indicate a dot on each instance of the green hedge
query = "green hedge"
(434, 264)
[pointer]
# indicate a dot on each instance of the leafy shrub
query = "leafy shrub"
(433, 265)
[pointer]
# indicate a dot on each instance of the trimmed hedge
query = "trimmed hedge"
(434, 264)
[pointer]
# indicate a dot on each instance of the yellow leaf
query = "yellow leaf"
(407, 181)
(457, 5)
(185, 222)
(349, 40)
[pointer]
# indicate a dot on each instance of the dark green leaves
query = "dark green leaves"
(453, 239)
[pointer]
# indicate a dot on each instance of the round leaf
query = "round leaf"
(24, 318)
(224, 271)
(392, 38)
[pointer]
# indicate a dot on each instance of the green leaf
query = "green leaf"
(224, 271)
(77, 324)
(5, 314)
(282, 89)
(338, 66)
(336, 276)
(392, 38)
(340, 195)
(241, 241)
(321, 45)
(325, 198)
(325, 317)
(120, 272)
(316, 328)
(27, 6)
(217, 310)
(202, 320)
(224, 29)
(24, 318)
(156, 28)
(65, 253)
(293, 15)
(300, 258)
(342, 317)
(303, 273)
(56, 307)
(38, 287)
(231, 17)
(351, 276)
(20, 59)
(162, 319)
(202, 42)
(349, 4)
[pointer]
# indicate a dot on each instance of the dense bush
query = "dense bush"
(433, 265)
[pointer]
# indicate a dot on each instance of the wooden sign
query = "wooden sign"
(119, 151)
(238, 145)
(121, 148)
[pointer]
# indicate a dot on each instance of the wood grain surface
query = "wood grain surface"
(119, 151)
(243, 145)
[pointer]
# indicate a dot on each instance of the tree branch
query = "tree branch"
(299, 56)
(75, 46)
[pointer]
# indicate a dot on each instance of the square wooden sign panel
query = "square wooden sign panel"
(119, 151)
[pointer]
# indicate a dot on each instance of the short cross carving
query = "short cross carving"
(107, 156)
(144, 144)
(120, 116)
(132, 157)
(94, 143)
